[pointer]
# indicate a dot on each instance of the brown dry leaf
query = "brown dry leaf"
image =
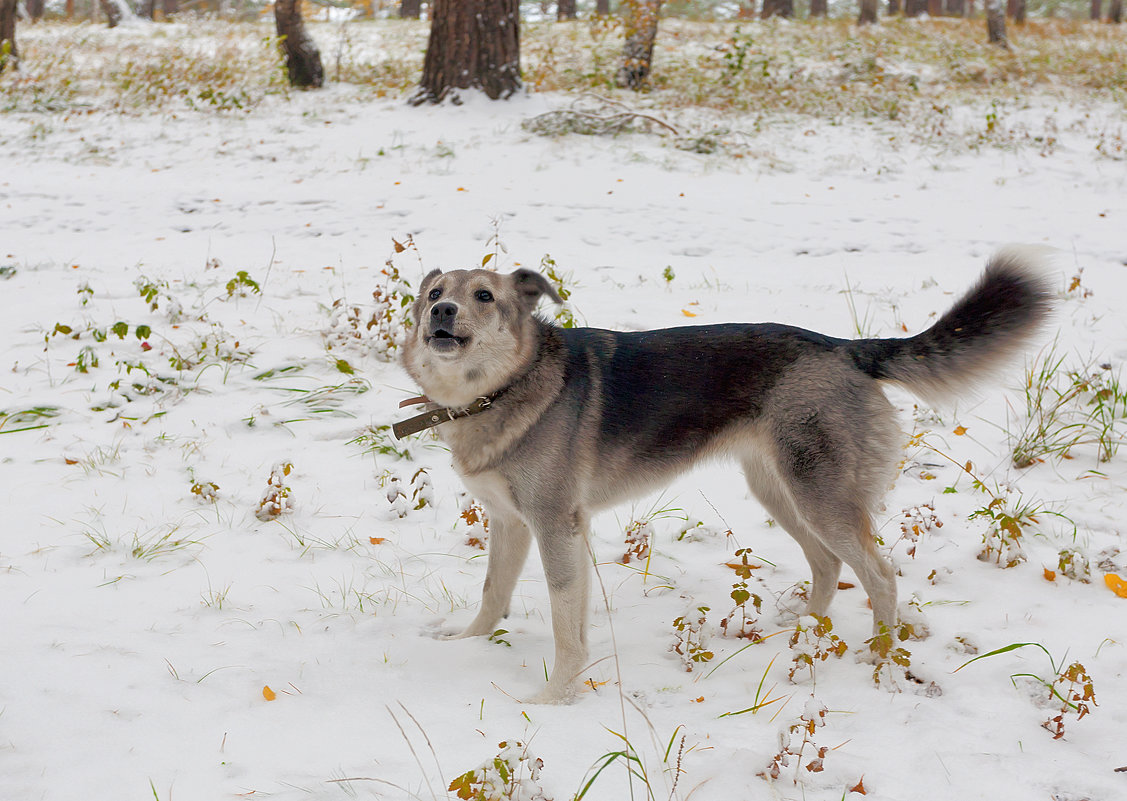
(859, 787)
(1050, 575)
(377, 540)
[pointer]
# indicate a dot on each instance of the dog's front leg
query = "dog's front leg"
(508, 548)
(563, 550)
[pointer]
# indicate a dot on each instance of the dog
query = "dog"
(547, 425)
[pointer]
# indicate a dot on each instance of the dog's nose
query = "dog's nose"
(443, 313)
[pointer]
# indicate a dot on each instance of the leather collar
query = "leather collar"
(436, 417)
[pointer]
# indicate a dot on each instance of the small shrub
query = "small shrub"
(692, 638)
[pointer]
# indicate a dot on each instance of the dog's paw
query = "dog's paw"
(553, 695)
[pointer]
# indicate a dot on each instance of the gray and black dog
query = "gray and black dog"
(548, 425)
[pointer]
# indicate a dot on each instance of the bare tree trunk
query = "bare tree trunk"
(818, 8)
(473, 44)
(602, 8)
(1115, 12)
(868, 15)
(113, 11)
(565, 10)
(410, 9)
(147, 9)
(996, 23)
(170, 7)
(35, 9)
(1094, 10)
(914, 8)
(956, 8)
(641, 30)
(778, 8)
(8, 52)
(893, 7)
(303, 59)
(1018, 12)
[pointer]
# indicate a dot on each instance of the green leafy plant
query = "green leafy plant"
(742, 622)
(1070, 690)
(691, 638)
(813, 641)
(512, 775)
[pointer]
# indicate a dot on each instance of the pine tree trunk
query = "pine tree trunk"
(996, 23)
(565, 10)
(303, 59)
(35, 9)
(778, 8)
(818, 8)
(868, 15)
(8, 52)
(893, 7)
(1094, 10)
(1115, 12)
(473, 44)
(410, 9)
(602, 8)
(640, 23)
(113, 12)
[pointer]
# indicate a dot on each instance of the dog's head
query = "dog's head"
(473, 332)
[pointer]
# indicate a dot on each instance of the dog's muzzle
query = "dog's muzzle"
(443, 317)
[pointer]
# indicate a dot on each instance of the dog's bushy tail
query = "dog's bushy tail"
(1008, 306)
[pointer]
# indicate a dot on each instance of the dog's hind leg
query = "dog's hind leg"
(508, 548)
(564, 552)
(825, 567)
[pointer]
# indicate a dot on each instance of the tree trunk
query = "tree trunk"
(1094, 10)
(893, 7)
(778, 8)
(147, 9)
(602, 8)
(35, 9)
(410, 9)
(956, 8)
(565, 10)
(996, 23)
(170, 7)
(818, 8)
(1115, 12)
(935, 8)
(474, 44)
(113, 11)
(868, 15)
(914, 8)
(303, 59)
(8, 52)
(640, 22)
(746, 10)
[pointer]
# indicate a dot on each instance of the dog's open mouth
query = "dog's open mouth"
(441, 339)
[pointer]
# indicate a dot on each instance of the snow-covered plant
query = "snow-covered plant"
(276, 500)
(638, 536)
(477, 522)
(512, 775)
(796, 739)
(888, 658)
(813, 641)
(691, 642)
(916, 521)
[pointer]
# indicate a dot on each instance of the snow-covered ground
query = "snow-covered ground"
(147, 599)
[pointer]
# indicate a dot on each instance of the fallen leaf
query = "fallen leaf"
(1116, 584)
(960, 430)
(859, 787)
(688, 313)
(377, 540)
(699, 700)
(1050, 575)
(845, 585)
(268, 694)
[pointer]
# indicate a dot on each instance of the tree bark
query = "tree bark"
(640, 23)
(914, 8)
(8, 52)
(602, 8)
(996, 23)
(1115, 12)
(565, 10)
(473, 44)
(819, 8)
(1094, 10)
(778, 8)
(303, 59)
(868, 15)
(956, 8)
(410, 9)
(35, 9)
(113, 11)
(893, 7)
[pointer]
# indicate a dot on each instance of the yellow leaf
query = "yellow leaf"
(398, 247)
(268, 694)
(960, 430)
(688, 313)
(1116, 584)
(1050, 575)
(377, 540)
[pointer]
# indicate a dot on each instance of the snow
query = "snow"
(142, 620)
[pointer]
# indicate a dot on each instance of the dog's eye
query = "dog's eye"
(484, 295)
(435, 294)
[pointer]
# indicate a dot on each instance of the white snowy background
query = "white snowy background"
(140, 621)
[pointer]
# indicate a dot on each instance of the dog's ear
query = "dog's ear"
(433, 274)
(530, 285)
